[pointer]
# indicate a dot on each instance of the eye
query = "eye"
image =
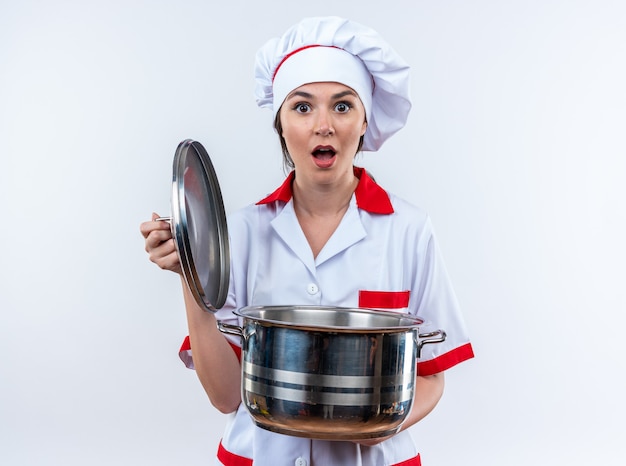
(302, 107)
(342, 107)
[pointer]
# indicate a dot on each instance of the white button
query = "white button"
(312, 288)
(300, 462)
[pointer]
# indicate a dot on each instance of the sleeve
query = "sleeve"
(437, 304)
(184, 353)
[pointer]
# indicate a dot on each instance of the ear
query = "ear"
(364, 128)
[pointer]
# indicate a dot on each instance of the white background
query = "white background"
(515, 145)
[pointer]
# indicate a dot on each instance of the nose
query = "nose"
(324, 126)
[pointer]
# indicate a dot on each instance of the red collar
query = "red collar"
(369, 196)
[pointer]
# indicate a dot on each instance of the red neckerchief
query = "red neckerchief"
(369, 196)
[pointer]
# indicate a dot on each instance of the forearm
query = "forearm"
(428, 391)
(215, 362)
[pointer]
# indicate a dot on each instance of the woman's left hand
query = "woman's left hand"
(160, 245)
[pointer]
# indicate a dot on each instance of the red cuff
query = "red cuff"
(445, 361)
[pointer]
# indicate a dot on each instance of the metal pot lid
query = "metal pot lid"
(199, 225)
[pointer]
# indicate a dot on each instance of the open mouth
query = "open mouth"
(324, 152)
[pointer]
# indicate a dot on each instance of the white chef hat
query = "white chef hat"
(332, 49)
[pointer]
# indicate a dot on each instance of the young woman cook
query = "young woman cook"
(329, 235)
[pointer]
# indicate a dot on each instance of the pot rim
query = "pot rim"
(406, 321)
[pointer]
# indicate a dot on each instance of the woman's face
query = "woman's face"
(322, 124)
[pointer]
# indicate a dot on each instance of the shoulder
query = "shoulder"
(253, 218)
(408, 214)
(404, 207)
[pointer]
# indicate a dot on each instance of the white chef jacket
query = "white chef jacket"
(382, 255)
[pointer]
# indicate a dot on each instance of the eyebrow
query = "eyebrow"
(306, 95)
(339, 95)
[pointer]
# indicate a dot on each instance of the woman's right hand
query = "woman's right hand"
(160, 245)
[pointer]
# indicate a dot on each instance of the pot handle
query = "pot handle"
(230, 329)
(437, 336)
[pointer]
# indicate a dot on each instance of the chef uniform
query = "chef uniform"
(383, 254)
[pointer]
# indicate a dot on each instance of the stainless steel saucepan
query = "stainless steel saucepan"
(329, 372)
